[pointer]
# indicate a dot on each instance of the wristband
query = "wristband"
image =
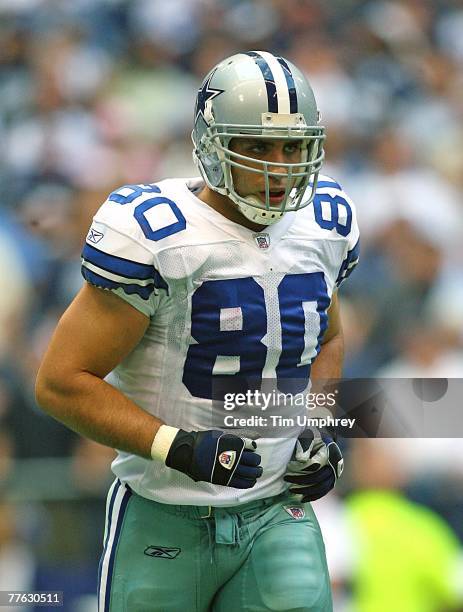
(162, 442)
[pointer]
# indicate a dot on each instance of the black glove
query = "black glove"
(316, 465)
(209, 456)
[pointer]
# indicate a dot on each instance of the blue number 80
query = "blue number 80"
(246, 343)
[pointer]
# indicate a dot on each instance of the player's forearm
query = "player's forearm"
(95, 409)
(328, 364)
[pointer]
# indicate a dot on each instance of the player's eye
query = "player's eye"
(258, 148)
(292, 147)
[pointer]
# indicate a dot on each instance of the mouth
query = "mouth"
(276, 196)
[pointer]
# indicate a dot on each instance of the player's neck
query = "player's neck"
(227, 208)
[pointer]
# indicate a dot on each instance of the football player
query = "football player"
(189, 282)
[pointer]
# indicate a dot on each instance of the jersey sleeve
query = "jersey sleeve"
(352, 251)
(114, 260)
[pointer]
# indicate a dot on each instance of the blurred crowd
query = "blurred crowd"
(98, 93)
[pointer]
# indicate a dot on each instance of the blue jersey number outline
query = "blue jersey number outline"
(333, 223)
(246, 343)
(141, 209)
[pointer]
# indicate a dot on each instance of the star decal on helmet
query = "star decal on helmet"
(204, 94)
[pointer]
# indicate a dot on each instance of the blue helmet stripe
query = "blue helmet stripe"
(291, 85)
(269, 79)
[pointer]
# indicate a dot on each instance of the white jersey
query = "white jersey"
(222, 300)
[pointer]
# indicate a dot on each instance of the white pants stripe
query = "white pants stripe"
(116, 504)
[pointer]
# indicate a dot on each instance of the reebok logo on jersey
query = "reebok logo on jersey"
(296, 512)
(262, 240)
(162, 552)
(94, 236)
(227, 459)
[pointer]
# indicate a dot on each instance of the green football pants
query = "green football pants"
(260, 556)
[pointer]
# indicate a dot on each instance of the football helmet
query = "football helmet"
(256, 93)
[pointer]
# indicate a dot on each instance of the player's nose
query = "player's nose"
(278, 156)
(278, 165)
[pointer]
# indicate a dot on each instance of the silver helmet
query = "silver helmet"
(256, 93)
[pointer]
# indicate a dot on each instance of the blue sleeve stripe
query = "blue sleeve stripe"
(349, 263)
(117, 278)
(155, 280)
(117, 265)
(123, 267)
(354, 252)
(105, 283)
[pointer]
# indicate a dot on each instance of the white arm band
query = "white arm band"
(162, 442)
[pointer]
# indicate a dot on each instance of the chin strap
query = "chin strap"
(256, 215)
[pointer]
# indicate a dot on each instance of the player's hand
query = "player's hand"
(210, 456)
(316, 465)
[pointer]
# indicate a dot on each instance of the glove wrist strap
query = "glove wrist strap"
(162, 442)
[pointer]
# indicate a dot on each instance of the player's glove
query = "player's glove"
(316, 465)
(211, 456)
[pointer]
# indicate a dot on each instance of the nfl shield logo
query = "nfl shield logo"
(296, 512)
(262, 240)
(227, 459)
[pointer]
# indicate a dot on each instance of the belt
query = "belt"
(210, 511)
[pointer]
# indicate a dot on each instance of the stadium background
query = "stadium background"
(95, 94)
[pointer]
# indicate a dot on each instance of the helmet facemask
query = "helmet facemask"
(297, 176)
(240, 98)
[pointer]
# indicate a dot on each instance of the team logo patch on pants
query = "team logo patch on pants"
(296, 512)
